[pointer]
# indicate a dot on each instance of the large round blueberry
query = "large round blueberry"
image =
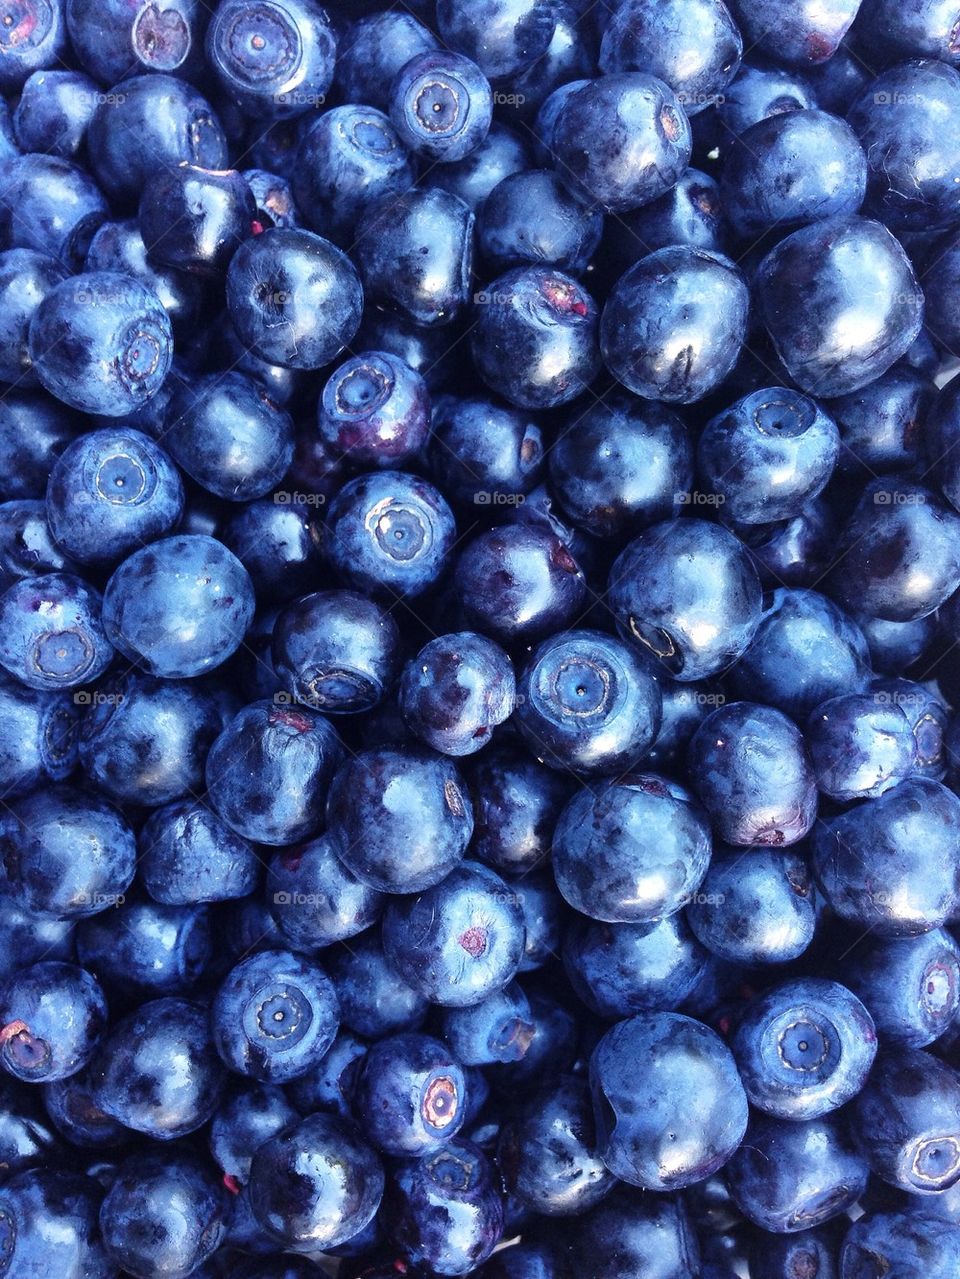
(456, 691)
(441, 106)
(52, 635)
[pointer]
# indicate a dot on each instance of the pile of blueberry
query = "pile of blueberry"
(480, 639)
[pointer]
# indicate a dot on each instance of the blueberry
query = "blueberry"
(188, 856)
(401, 819)
(375, 48)
(34, 38)
(787, 1256)
(472, 179)
(178, 607)
(279, 544)
(410, 1095)
(272, 61)
(669, 1106)
(101, 342)
(689, 213)
(883, 424)
(428, 233)
(389, 534)
(274, 200)
(504, 36)
(329, 1084)
(48, 1218)
(315, 899)
(911, 985)
(336, 651)
(348, 159)
(157, 1071)
(293, 297)
(251, 1116)
(688, 594)
(114, 40)
(790, 1176)
(628, 1232)
(860, 747)
(119, 246)
(110, 492)
(497, 1029)
(75, 1115)
(26, 276)
(456, 691)
(620, 141)
(632, 850)
(673, 326)
(535, 337)
(443, 1209)
(919, 1244)
(315, 1185)
(807, 33)
(441, 105)
(588, 703)
(482, 452)
(34, 429)
(375, 411)
(67, 854)
(194, 219)
(53, 1015)
(374, 999)
(286, 757)
(164, 1215)
(530, 217)
(459, 941)
(760, 92)
(145, 949)
(38, 737)
(516, 803)
(812, 291)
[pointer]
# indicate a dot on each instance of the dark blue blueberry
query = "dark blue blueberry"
(768, 455)
(48, 1222)
(27, 1139)
(374, 411)
(145, 740)
(414, 252)
(621, 969)
(315, 899)
(674, 325)
(905, 1121)
(620, 141)
(374, 49)
(484, 453)
(54, 110)
(689, 213)
(504, 36)
(34, 38)
(551, 1052)
(501, 153)
(894, 646)
(911, 160)
(315, 1185)
(631, 851)
(497, 1029)
(101, 342)
(892, 865)
(941, 431)
(67, 854)
(293, 297)
(278, 542)
(622, 465)
(389, 534)
(227, 433)
(516, 803)
(110, 492)
(441, 105)
(157, 1070)
(75, 1115)
(459, 941)
(688, 594)
(790, 1256)
(755, 906)
(790, 1176)
(898, 555)
(456, 691)
(195, 219)
(186, 856)
(762, 91)
(336, 651)
(444, 1211)
(164, 1215)
(145, 949)
(548, 1153)
(793, 552)
(34, 429)
(631, 1233)
(526, 1260)
(531, 217)
(804, 32)
(329, 1084)
(52, 1016)
(912, 1244)
(792, 168)
(50, 205)
(349, 158)
(571, 54)
(535, 337)
(178, 607)
(146, 122)
(401, 819)
(587, 702)
(860, 745)
(841, 303)
(374, 999)
(410, 1095)
(804, 1048)
(519, 582)
(695, 48)
(669, 1106)
(113, 39)
(911, 985)
(882, 426)
(248, 1118)
(269, 770)
(274, 200)
(275, 1016)
(38, 737)
(26, 277)
(273, 61)
(750, 767)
